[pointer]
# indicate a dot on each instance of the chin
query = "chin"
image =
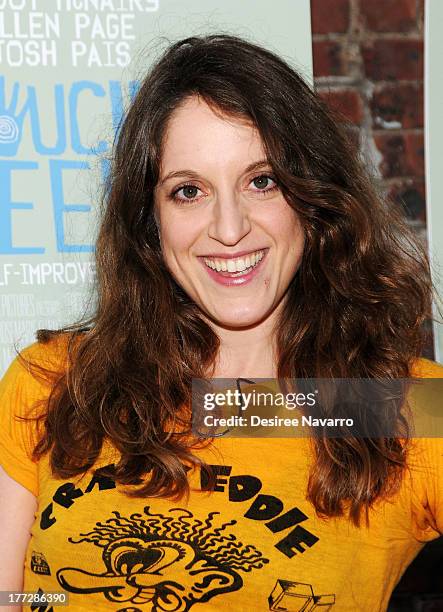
(238, 320)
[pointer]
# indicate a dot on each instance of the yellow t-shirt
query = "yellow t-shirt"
(254, 544)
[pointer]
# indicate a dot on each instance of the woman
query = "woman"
(240, 238)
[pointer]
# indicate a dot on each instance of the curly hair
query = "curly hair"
(355, 308)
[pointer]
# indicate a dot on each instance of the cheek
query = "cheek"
(179, 228)
(177, 241)
(292, 238)
(175, 237)
(287, 229)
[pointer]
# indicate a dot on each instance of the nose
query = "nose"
(229, 220)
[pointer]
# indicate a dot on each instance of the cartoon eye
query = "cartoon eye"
(133, 556)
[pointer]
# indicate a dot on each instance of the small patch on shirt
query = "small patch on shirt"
(39, 565)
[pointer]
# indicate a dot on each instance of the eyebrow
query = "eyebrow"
(194, 175)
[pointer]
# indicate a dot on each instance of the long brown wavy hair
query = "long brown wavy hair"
(354, 309)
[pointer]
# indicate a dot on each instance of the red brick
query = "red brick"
(402, 104)
(389, 15)
(403, 154)
(410, 196)
(346, 102)
(392, 148)
(328, 58)
(415, 154)
(329, 16)
(394, 59)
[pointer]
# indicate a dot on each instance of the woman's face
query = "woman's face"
(227, 234)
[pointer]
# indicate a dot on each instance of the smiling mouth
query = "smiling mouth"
(233, 267)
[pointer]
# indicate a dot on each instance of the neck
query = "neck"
(247, 352)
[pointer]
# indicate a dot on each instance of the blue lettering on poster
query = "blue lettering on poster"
(23, 110)
(60, 145)
(76, 90)
(11, 120)
(7, 205)
(57, 166)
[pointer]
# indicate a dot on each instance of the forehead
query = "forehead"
(199, 134)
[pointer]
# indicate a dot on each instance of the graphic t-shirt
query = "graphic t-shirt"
(254, 544)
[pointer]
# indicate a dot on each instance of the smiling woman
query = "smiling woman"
(225, 223)
(240, 238)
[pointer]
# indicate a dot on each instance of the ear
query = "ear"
(210, 580)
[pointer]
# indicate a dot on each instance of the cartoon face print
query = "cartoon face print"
(170, 562)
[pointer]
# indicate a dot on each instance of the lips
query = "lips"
(235, 264)
(231, 270)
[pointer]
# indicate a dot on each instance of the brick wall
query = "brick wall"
(368, 63)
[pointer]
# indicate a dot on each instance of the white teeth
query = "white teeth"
(240, 265)
(235, 265)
